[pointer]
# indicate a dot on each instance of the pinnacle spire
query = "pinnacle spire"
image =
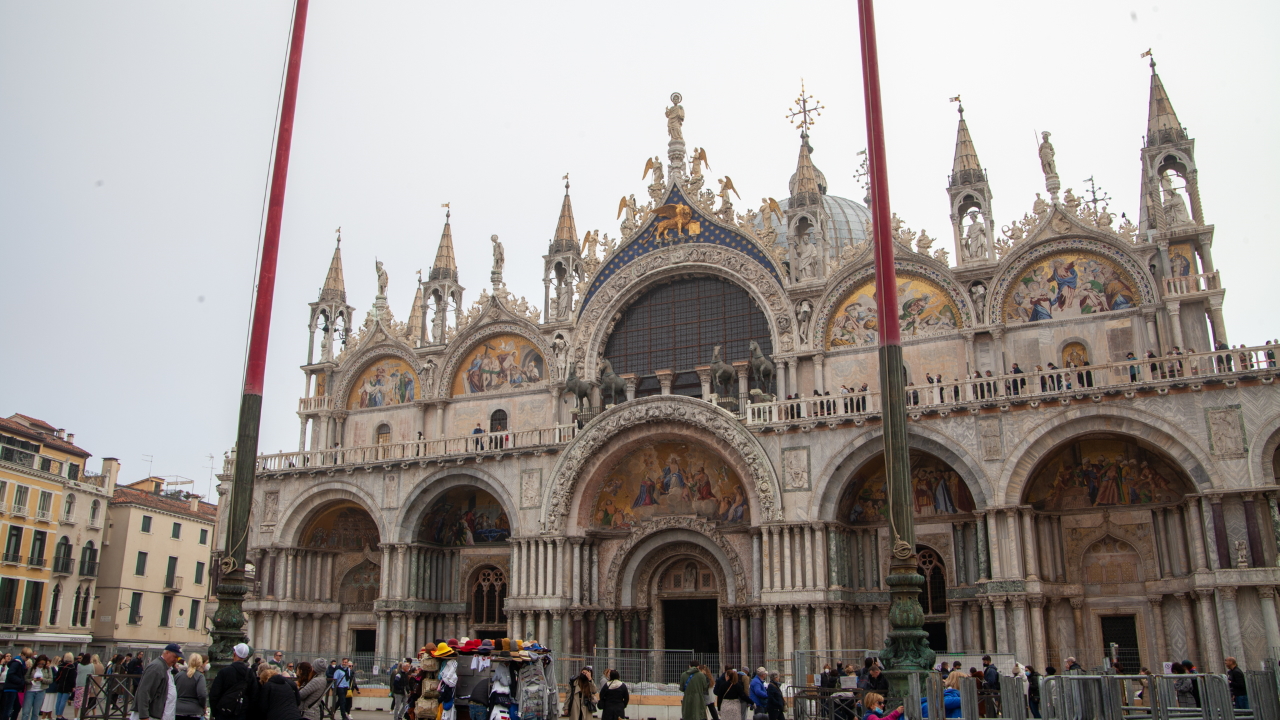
(333, 284)
(566, 237)
(965, 168)
(445, 268)
(1162, 122)
(808, 184)
(415, 317)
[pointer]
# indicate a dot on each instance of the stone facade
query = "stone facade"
(488, 478)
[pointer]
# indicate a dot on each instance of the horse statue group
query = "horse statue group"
(611, 385)
(722, 374)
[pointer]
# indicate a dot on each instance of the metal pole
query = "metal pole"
(907, 647)
(228, 621)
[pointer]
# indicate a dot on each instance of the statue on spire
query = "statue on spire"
(382, 278)
(1047, 163)
(675, 119)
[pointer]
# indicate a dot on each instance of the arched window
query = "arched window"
(384, 434)
(55, 599)
(488, 595)
(75, 609)
(69, 507)
(677, 326)
(93, 512)
(84, 604)
(934, 596)
(498, 421)
(89, 559)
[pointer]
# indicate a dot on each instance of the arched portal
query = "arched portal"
(464, 515)
(338, 559)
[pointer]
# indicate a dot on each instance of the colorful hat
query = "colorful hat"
(470, 645)
(522, 655)
(452, 642)
(506, 644)
(517, 645)
(486, 647)
(443, 650)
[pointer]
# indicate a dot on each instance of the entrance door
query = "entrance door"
(1123, 631)
(691, 625)
(937, 635)
(366, 641)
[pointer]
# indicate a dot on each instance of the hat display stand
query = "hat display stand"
(533, 678)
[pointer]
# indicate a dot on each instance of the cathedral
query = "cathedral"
(683, 448)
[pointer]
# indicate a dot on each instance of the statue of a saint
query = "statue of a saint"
(1039, 207)
(975, 237)
(499, 257)
(1175, 208)
(924, 243)
(675, 118)
(979, 294)
(804, 311)
(1047, 164)
(808, 257)
(382, 278)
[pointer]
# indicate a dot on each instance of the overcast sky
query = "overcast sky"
(135, 140)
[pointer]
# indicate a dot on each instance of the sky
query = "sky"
(135, 140)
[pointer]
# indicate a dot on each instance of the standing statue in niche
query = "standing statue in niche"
(804, 311)
(979, 294)
(1047, 164)
(808, 258)
(1175, 208)
(382, 278)
(675, 118)
(975, 237)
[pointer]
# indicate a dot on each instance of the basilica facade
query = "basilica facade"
(683, 448)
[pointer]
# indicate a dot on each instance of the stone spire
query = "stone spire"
(415, 324)
(566, 237)
(965, 168)
(334, 288)
(1162, 122)
(808, 184)
(445, 268)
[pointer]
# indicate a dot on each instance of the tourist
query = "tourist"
(193, 690)
(15, 682)
(694, 683)
(277, 695)
(775, 704)
(711, 695)
(614, 698)
(1033, 691)
(37, 684)
(477, 701)
(1235, 676)
(84, 668)
(156, 687)
(1182, 687)
(311, 687)
(580, 703)
(64, 684)
(759, 693)
(277, 660)
(874, 704)
(235, 689)
(875, 679)
(734, 700)
(950, 695)
(399, 688)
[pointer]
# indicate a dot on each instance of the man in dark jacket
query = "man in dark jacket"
(876, 681)
(399, 689)
(234, 690)
(157, 685)
(14, 683)
(1235, 681)
(775, 703)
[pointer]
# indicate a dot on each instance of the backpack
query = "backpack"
(231, 704)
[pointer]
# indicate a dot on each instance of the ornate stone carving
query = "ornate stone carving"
(674, 522)
(1226, 431)
(663, 408)
(460, 349)
(795, 468)
(530, 487)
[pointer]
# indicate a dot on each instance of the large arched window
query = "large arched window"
(676, 326)
(488, 595)
(383, 435)
(55, 601)
(69, 508)
(89, 559)
(933, 598)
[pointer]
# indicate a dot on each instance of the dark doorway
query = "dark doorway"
(937, 635)
(691, 625)
(366, 641)
(1123, 631)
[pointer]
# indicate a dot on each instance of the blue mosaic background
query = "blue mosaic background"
(712, 234)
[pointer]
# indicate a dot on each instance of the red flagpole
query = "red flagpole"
(886, 275)
(228, 621)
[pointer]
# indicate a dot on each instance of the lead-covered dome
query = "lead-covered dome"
(849, 221)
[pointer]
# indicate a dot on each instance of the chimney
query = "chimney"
(71, 437)
(110, 468)
(60, 432)
(195, 503)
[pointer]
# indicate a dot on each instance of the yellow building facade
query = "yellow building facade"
(52, 511)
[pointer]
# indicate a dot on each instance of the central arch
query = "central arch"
(627, 582)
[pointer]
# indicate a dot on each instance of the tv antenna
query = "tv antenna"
(150, 459)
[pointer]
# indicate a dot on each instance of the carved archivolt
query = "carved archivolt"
(459, 347)
(675, 522)
(382, 345)
(660, 560)
(693, 259)
(663, 408)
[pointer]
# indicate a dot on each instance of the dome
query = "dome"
(849, 221)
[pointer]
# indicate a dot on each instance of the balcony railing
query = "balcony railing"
(173, 584)
(95, 522)
(484, 443)
(69, 518)
(993, 390)
(36, 561)
(19, 510)
(12, 557)
(43, 515)
(89, 568)
(30, 617)
(8, 616)
(315, 404)
(4, 507)
(63, 565)
(1188, 284)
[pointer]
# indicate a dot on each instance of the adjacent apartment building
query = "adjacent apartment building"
(155, 568)
(51, 516)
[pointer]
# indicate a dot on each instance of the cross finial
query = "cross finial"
(806, 106)
(566, 183)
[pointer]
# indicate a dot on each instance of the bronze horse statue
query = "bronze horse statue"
(610, 383)
(762, 370)
(581, 389)
(721, 375)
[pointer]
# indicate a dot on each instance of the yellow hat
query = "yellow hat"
(443, 650)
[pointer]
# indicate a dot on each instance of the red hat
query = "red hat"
(471, 645)
(452, 642)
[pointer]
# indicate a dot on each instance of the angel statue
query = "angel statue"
(606, 244)
(769, 206)
(654, 165)
(726, 186)
(628, 205)
(699, 159)
(382, 278)
(675, 118)
(589, 242)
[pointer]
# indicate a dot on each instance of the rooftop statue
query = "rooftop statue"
(1047, 163)
(382, 278)
(675, 118)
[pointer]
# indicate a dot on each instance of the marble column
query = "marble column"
(1229, 622)
(807, 579)
(1158, 629)
(1195, 525)
(758, 644)
(1032, 548)
(1018, 571)
(1188, 626)
(1252, 532)
(988, 626)
(1223, 554)
(973, 641)
(1039, 647)
(771, 634)
(1275, 524)
(1267, 600)
(757, 568)
(981, 549)
(788, 638)
(994, 545)
(1077, 618)
(787, 576)
(1210, 649)
(1022, 635)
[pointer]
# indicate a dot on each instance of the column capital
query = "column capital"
(1205, 594)
(1228, 592)
(575, 614)
(819, 358)
(985, 602)
(317, 615)
(1076, 603)
(1247, 496)
(757, 611)
(1037, 601)
(611, 614)
(1182, 597)
(291, 552)
(1215, 499)
(1267, 591)
(1019, 602)
(1155, 600)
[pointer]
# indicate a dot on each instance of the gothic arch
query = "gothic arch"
(1077, 238)
(384, 346)
(294, 518)
(854, 274)
(428, 489)
(1056, 430)
(842, 467)
(656, 415)
(1078, 542)
(642, 544)
(642, 274)
(479, 331)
